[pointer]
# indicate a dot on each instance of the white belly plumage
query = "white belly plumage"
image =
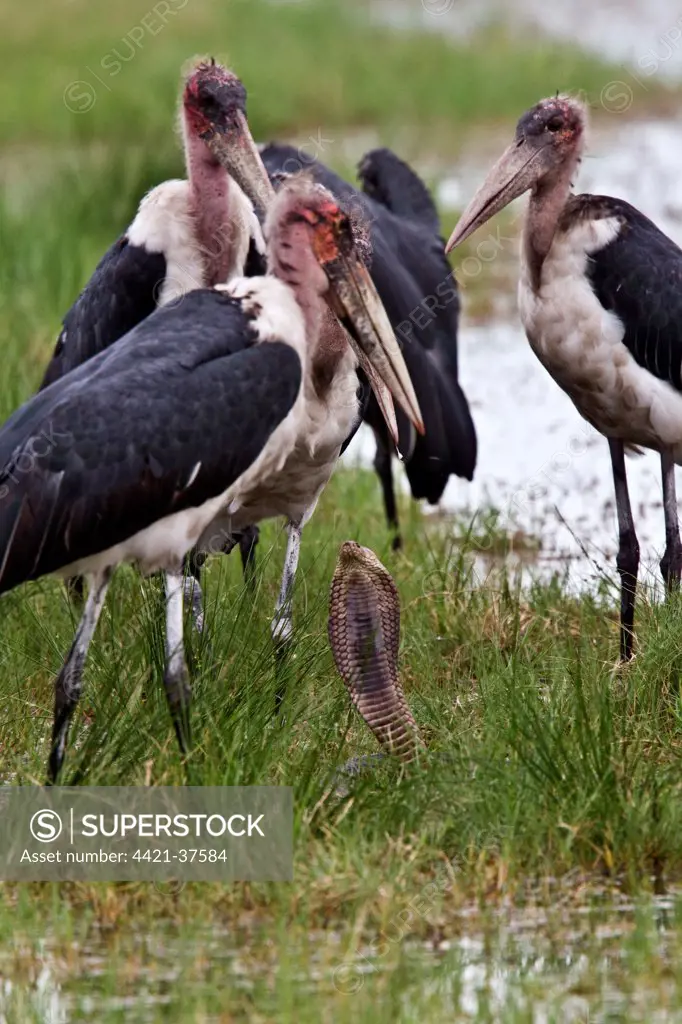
(163, 544)
(293, 488)
(580, 344)
(285, 480)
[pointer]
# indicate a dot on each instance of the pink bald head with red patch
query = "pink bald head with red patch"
(214, 100)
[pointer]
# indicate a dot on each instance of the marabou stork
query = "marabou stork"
(418, 291)
(600, 297)
(187, 234)
(236, 400)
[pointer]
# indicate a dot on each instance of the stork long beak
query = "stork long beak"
(238, 154)
(353, 298)
(381, 392)
(515, 172)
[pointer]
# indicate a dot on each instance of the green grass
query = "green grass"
(561, 780)
(553, 763)
(309, 67)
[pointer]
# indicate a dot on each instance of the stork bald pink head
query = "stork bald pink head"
(214, 100)
(311, 238)
(214, 106)
(548, 137)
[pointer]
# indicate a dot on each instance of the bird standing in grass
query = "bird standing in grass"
(600, 297)
(231, 403)
(193, 233)
(418, 291)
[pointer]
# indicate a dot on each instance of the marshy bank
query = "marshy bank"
(591, 955)
(520, 878)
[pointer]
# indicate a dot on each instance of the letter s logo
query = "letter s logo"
(46, 826)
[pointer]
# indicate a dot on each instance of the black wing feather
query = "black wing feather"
(393, 183)
(415, 282)
(638, 276)
(123, 290)
(256, 264)
(110, 448)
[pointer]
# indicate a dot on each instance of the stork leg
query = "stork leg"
(176, 676)
(69, 681)
(671, 563)
(628, 550)
(383, 464)
(193, 593)
(282, 624)
(194, 562)
(248, 540)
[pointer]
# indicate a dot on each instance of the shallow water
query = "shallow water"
(561, 963)
(576, 958)
(540, 465)
(645, 34)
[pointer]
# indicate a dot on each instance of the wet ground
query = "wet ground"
(540, 465)
(579, 959)
(548, 474)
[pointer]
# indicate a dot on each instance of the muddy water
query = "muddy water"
(545, 470)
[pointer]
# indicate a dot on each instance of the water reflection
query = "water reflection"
(579, 955)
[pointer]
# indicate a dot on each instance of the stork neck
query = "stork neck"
(547, 202)
(217, 230)
(290, 258)
(332, 345)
